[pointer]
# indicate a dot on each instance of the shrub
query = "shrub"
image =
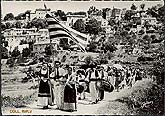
(102, 59)
(88, 60)
(26, 52)
(17, 102)
(145, 97)
(15, 53)
(109, 55)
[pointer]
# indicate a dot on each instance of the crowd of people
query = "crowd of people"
(64, 85)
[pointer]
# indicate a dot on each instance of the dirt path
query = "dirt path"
(83, 107)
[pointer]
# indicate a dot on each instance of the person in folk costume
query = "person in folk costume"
(111, 77)
(130, 77)
(44, 87)
(102, 75)
(82, 83)
(117, 79)
(123, 83)
(51, 77)
(93, 78)
(70, 99)
(138, 75)
(59, 85)
(127, 75)
(133, 77)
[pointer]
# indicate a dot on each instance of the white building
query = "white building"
(43, 40)
(108, 14)
(39, 13)
(104, 23)
(151, 20)
(97, 17)
(15, 35)
(116, 13)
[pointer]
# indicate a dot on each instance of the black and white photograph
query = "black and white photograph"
(84, 57)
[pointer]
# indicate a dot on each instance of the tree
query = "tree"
(111, 22)
(26, 52)
(5, 43)
(124, 33)
(3, 26)
(128, 15)
(61, 15)
(18, 24)
(23, 42)
(4, 52)
(104, 11)
(15, 53)
(142, 6)
(20, 16)
(27, 12)
(8, 25)
(141, 32)
(146, 39)
(161, 14)
(108, 46)
(31, 43)
(29, 25)
(91, 10)
(93, 27)
(79, 25)
(92, 46)
(39, 23)
(133, 7)
(89, 60)
(153, 37)
(9, 16)
(77, 13)
(152, 11)
(48, 50)
(64, 43)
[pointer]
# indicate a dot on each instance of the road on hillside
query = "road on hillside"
(83, 107)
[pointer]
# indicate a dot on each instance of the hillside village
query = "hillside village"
(29, 29)
(131, 37)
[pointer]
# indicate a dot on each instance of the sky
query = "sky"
(17, 7)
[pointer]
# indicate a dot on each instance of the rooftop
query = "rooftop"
(41, 9)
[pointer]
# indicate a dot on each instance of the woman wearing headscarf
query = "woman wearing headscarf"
(70, 102)
(82, 86)
(44, 87)
(103, 75)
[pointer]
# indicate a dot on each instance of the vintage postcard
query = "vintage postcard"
(82, 57)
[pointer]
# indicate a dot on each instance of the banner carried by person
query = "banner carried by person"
(58, 30)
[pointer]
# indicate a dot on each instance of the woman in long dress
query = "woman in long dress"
(102, 75)
(59, 86)
(44, 87)
(82, 84)
(93, 78)
(70, 102)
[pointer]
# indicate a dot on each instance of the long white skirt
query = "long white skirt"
(60, 95)
(42, 101)
(93, 91)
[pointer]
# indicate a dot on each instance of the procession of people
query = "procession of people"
(63, 85)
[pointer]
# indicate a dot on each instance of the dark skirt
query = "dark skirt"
(70, 98)
(44, 89)
(70, 94)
